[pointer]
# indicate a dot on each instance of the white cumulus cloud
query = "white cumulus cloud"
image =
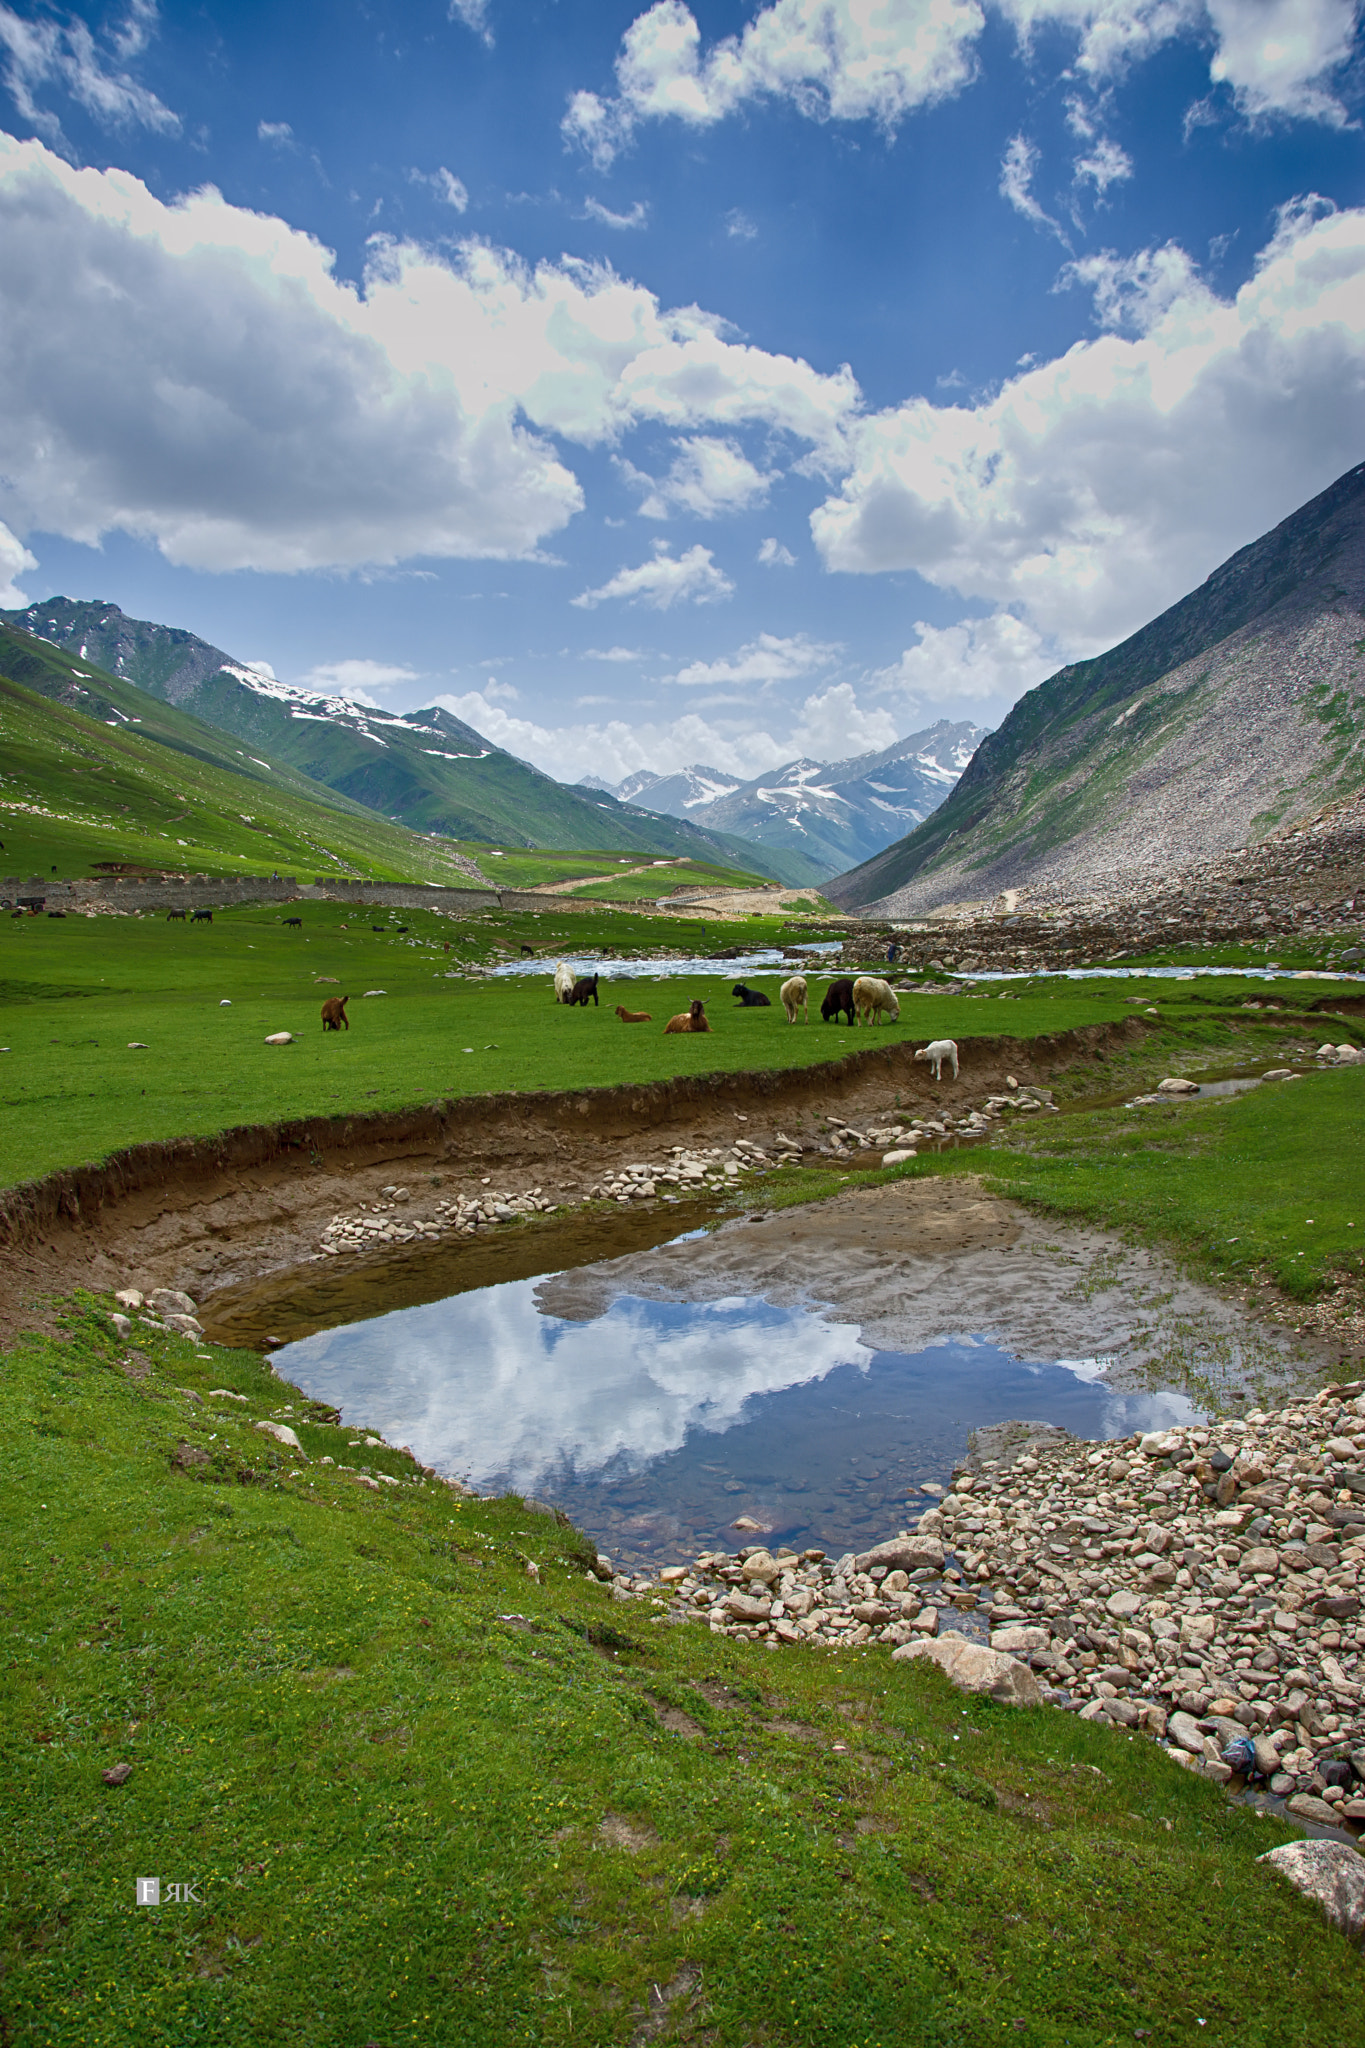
(708, 477)
(1091, 492)
(663, 581)
(52, 52)
(15, 561)
(356, 678)
(242, 408)
(768, 659)
(833, 59)
(474, 15)
(773, 555)
(975, 661)
(833, 725)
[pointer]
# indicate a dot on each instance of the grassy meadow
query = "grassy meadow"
(422, 1796)
(79, 992)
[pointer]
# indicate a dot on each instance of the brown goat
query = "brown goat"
(334, 1016)
(633, 1016)
(693, 1019)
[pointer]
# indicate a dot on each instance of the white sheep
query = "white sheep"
(564, 981)
(792, 995)
(936, 1052)
(873, 997)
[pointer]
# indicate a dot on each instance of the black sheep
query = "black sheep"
(838, 999)
(750, 998)
(584, 987)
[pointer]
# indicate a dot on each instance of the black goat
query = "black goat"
(584, 987)
(751, 998)
(296, 922)
(838, 999)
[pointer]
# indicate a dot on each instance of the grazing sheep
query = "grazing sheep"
(838, 999)
(750, 998)
(633, 1016)
(334, 1016)
(937, 1052)
(693, 1019)
(584, 987)
(793, 998)
(564, 981)
(872, 997)
(296, 922)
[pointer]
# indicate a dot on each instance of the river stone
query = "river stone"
(1337, 1606)
(1019, 1642)
(282, 1434)
(1308, 1806)
(973, 1668)
(172, 1301)
(903, 1553)
(188, 1326)
(745, 1607)
(1177, 1087)
(1329, 1874)
(1183, 1729)
(1124, 1604)
(760, 1564)
(280, 1038)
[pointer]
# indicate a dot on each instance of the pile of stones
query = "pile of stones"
(368, 1229)
(1202, 1583)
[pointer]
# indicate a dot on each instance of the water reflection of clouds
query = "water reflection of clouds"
(487, 1386)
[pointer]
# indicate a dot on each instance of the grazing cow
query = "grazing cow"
(938, 1052)
(584, 987)
(793, 997)
(400, 927)
(564, 981)
(334, 1016)
(838, 999)
(201, 917)
(873, 997)
(691, 1019)
(524, 951)
(296, 922)
(380, 928)
(633, 1016)
(172, 915)
(750, 998)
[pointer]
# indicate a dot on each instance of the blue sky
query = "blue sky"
(666, 384)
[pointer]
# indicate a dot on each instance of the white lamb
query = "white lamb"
(872, 998)
(792, 996)
(936, 1052)
(564, 981)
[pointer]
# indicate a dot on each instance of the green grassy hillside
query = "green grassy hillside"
(430, 771)
(85, 791)
(423, 1796)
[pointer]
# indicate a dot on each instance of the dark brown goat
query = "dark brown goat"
(334, 1016)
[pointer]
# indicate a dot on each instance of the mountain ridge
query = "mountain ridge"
(1238, 709)
(424, 769)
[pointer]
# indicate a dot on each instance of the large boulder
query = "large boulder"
(974, 1668)
(903, 1554)
(1329, 1874)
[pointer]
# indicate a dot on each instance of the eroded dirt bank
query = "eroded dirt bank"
(220, 1213)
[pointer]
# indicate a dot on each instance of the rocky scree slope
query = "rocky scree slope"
(1239, 709)
(826, 812)
(1306, 882)
(423, 769)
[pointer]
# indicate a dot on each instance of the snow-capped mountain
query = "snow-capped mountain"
(838, 812)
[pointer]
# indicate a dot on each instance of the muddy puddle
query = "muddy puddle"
(808, 1370)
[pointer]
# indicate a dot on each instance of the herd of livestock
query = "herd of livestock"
(863, 1000)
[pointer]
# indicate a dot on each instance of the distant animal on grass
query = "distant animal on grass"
(564, 981)
(296, 922)
(526, 951)
(201, 917)
(172, 915)
(334, 1016)
(633, 1016)
(400, 927)
(940, 1052)
(873, 998)
(380, 928)
(793, 997)
(691, 1019)
(584, 987)
(750, 998)
(838, 998)
(56, 913)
